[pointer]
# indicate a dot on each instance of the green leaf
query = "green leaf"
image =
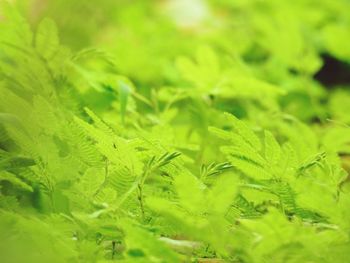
(244, 131)
(272, 148)
(46, 39)
(91, 181)
(148, 245)
(190, 191)
(15, 162)
(12, 178)
(124, 93)
(222, 194)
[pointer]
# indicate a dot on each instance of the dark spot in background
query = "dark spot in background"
(334, 72)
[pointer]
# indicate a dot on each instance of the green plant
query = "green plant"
(186, 148)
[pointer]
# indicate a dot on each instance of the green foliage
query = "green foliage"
(195, 135)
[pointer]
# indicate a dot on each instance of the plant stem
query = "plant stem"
(140, 198)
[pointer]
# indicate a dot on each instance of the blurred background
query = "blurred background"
(300, 46)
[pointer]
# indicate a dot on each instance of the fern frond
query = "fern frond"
(244, 131)
(11, 178)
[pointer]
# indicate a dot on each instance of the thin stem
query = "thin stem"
(140, 190)
(113, 249)
(105, 179)
(140, 198)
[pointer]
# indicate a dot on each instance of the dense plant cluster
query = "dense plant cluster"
(175, 131)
